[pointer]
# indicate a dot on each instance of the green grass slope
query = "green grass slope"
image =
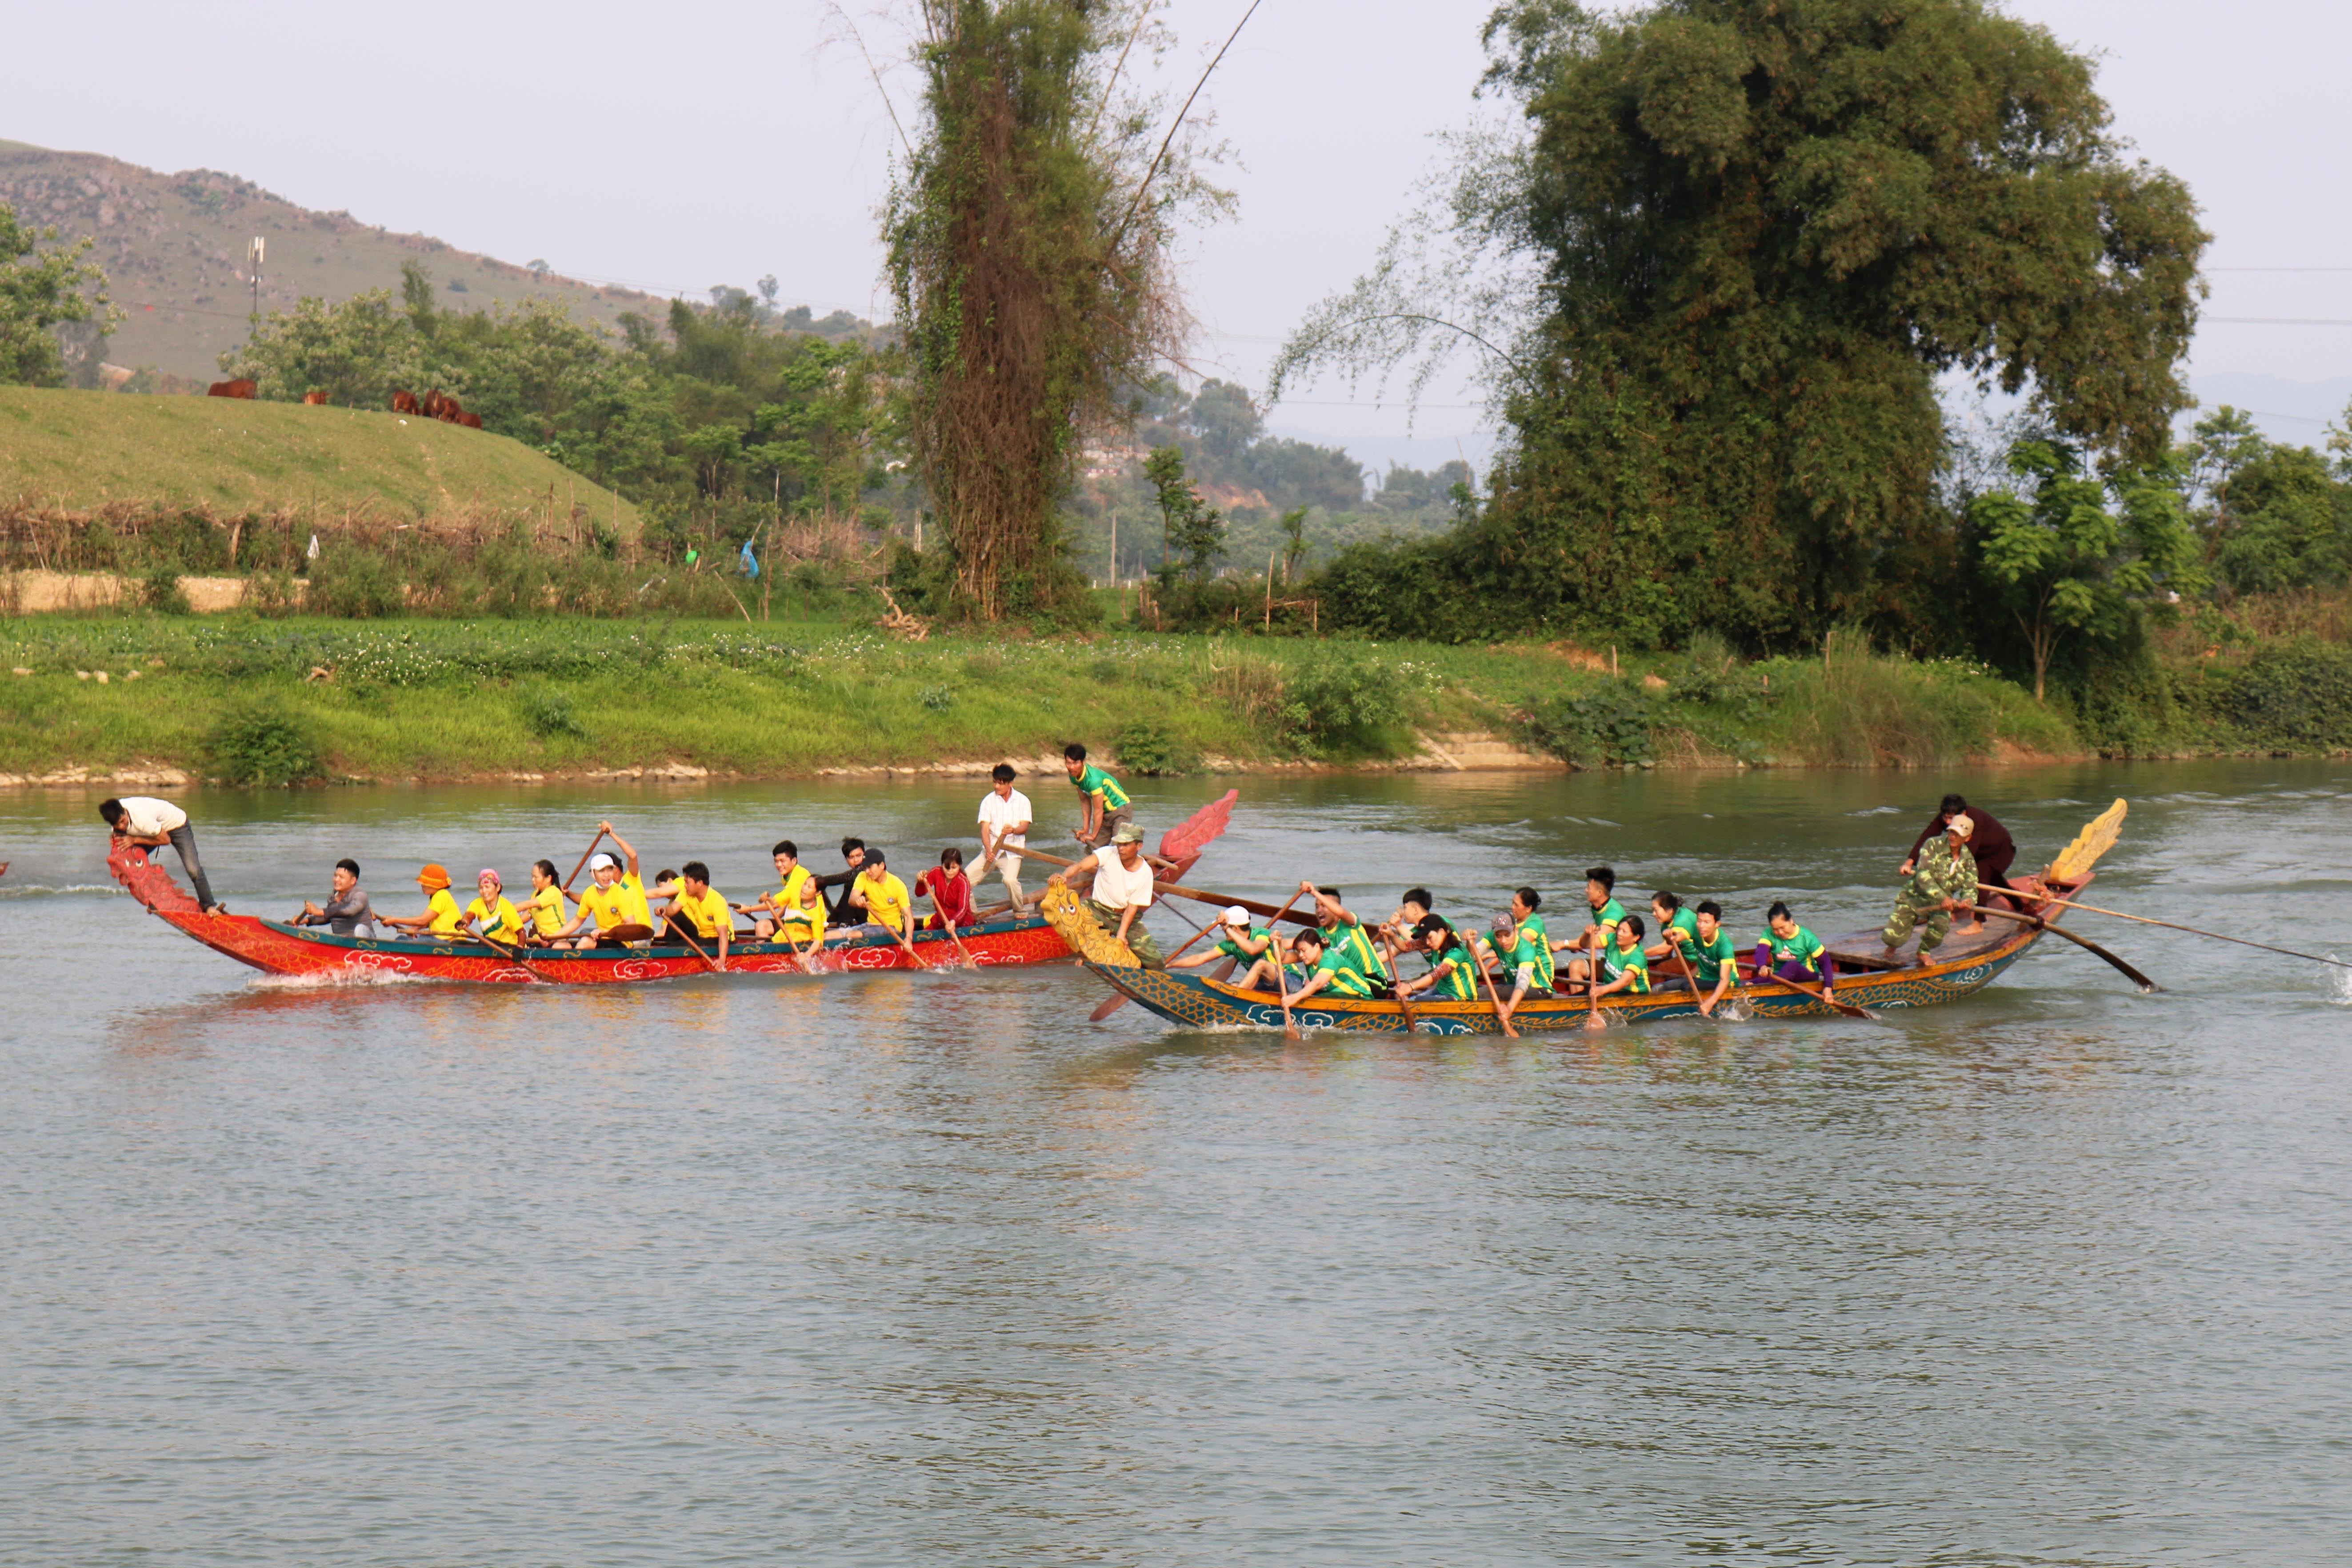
(78, 450)
(173, 249)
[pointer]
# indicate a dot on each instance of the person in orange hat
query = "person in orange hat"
(441, 917)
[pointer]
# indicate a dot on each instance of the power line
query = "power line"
(2279, 321)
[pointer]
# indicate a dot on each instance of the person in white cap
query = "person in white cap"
(1944, 885)
(1238, 940)
(616, 899)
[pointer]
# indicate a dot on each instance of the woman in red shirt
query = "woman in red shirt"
(950, 890)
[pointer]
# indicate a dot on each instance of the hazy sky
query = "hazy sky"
(704, 141)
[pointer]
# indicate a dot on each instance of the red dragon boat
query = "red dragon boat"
(277, 947)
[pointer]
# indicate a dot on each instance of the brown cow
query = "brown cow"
(432, 402)
(470, 421)
(315, 399)
(404, 402)
(233, 389)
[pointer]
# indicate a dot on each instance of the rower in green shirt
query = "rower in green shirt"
(1599, 885)
(1676, 928)
(1347, 937)
(1526, 946)
(1793, 953)
(1624, 967)
(1714, 961)
(1453, 965)
(1107, 807)
(1241, 941)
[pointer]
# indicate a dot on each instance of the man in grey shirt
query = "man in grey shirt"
(347, 913)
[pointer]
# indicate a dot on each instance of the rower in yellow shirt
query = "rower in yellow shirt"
(493, 913)
(616, 899)
(700, 911)
(544, 907)
(796, 907)
(441, 917)
(886, 902)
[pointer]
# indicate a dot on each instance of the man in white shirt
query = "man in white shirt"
(1003, 829)
(151, 824)
(1123, 890)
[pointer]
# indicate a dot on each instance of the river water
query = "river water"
(899, 1269)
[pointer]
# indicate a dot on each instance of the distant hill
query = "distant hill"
(174, 249)
(76, 451)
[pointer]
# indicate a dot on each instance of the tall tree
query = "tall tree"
(41, 290)
(1028, 235)
(1736, 241)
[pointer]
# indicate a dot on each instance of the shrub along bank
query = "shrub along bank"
(286, 700)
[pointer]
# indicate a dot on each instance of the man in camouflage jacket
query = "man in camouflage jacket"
(1944, 885)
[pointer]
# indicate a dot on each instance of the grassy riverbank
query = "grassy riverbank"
(241, 697)
(80, 451)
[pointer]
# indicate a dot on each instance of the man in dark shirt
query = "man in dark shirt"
(1995, 851)
(840, 912)
(347, 913)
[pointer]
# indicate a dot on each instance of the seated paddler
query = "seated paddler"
(1787, 951)
(1238, 938)
(493, 913)
(613, 899)
(1454, 965)
(1943, 884)
(442, 917)
(346, 911)
(699, 913)
(796, 907)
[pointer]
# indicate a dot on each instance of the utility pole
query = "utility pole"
(253, 254)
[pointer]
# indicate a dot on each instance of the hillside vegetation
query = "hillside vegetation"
(84, 450)
(173, 249)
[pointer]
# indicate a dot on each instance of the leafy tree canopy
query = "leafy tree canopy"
(41, 290)
(1738, 241)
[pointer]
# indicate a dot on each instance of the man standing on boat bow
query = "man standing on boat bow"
(1944, 884)
(1121, 890)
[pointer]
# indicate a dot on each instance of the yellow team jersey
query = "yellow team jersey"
(446, 916)
(546, 908)
(708, 915)
(499, 921)
(803, 924)
(622, 904)
(886, 901)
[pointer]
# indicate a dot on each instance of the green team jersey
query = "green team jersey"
(1096, 783)
(1232, 949)
(1346, 979)
(1804, 945)
(1352, 941)
(1534, 946)
(1617, 960)
(1608, 916)
(1707, 958)
(1681, 931)
(1457, 978)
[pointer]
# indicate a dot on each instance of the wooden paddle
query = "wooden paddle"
(2143, 920)
(1177, 890)
(680, 933)
(1593, 1020)
(512, 955)
(1281, 983)
(1491, 995)
(1688, 975)
(2129, 972)
(583, 861)
(1818, 995)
